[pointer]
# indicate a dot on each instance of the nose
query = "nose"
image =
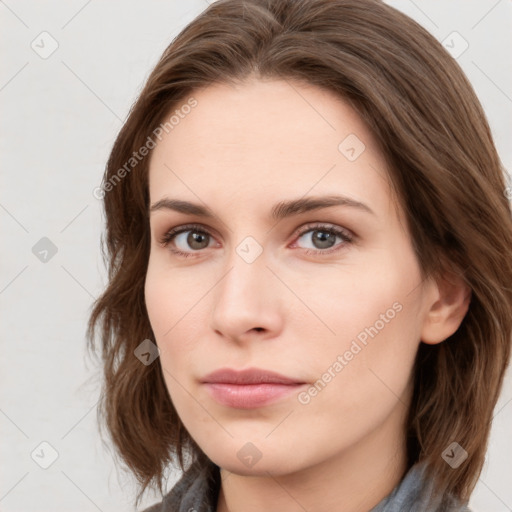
(248, 301)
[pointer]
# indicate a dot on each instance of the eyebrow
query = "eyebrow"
(279, 211)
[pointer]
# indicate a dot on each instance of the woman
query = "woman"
(309, 299)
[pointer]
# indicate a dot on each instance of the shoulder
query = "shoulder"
(196, 490)
(415, 493)
(157, 507)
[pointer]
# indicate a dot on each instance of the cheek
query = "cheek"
(176, 318)
(171, 299)
(157, 297)
(376, 316)
(364, 374)
(163, 308)
(374, 301)
(374, 348)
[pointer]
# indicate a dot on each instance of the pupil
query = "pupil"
(196, 237)
(324, 238)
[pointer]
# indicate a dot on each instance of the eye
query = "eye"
(323, 238)
(195, 237)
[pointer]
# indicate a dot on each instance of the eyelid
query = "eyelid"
(310, 226)
(347, 235)
(164, 239)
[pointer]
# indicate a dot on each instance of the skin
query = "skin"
(241, 150)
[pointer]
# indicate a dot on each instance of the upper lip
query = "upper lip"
(248, 376)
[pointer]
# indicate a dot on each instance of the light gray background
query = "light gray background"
(60, 116)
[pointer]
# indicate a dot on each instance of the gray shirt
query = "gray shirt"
(198, 491)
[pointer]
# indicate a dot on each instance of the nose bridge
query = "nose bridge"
(247, 275)
(246, 296)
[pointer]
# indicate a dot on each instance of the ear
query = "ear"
(446, 309)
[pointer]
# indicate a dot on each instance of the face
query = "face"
(330, 297)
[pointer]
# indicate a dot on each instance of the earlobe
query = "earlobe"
(447, 310)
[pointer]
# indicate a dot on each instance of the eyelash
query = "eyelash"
(344, 234)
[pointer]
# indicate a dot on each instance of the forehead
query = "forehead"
(264, 140)
(276, 117)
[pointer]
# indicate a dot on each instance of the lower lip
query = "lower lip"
(248, 396)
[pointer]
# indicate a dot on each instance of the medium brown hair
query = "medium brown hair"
(444, 168)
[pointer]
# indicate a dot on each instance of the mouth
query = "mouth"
(249, 388)
(249, 396)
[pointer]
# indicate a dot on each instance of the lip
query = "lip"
(250, 388)
(248, 376)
